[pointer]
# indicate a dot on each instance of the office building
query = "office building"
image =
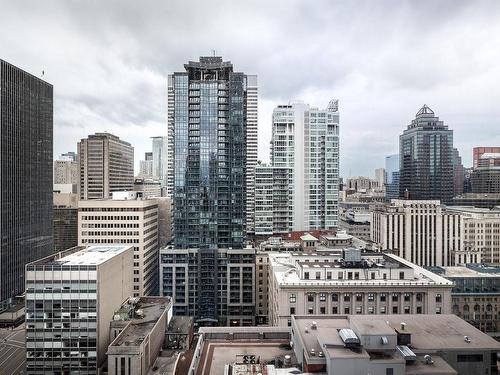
(271, 211)
(70, 299)
(165, 234)
(392, 345)
(480, 235)
(458, 174)
(349, 282)
(477, 152)
(485, 178)
(251, 145)
(26, 137)
(380, 177)
(65, 219)
(148, 187)
(137, 332)
(479, 200)
(146, 166)
(125, 219)
(106, 165)
(422, 232)
(208, 120)
(66, 170)
(160, 159)
(306, 141)
(474, 296)
(355, 219)
(216, 288)
(426, 159)
(68, 156)
(361, 184)
(392, 176)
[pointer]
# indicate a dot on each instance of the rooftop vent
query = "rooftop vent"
(312, 352)
(314, 325)
(403, 325)
(348, 337)
(428, 359)
(467, 339)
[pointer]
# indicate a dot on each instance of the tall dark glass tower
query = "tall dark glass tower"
(426, 159)
(26, 110)
(208, 124)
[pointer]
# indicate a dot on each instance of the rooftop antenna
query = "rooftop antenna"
(213, 51)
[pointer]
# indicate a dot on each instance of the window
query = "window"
(407, 297)
(346, 310)
(306, 275)
(382, 298)
(318, 275)
(401, 276)
(438, 298)
(394, 309)
(293, 298)
(371, 297)
(322, 297)
(335, 297)
(382, 309)
(349, 275)
(310, 298)
(328, 275)
(322, 310)
(407, 309)
(389, 371)
(373, 275)
(419, 309)
(335, 310)
(310, 310)
(356, 275)
(438, 310)
(292, 310)
(359, 297)
(395, 297)
(371, 309)
(341, 276)
(359, 310)
(419, 297)
(347, 297)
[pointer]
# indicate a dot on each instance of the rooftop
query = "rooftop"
(145, 313)
(471, 271)
(81, 255)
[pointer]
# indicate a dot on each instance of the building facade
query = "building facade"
(66, 170)
(271, 211)
(426, 159)
(422, 232)
(208, 123)
(485, 178)
(125, 219)
(148, 187)
(476, 295)
(458, 174)
(106, 165)
(65, 221)
(306, 141)
(26, 138)
(215, 287)
(146, 166)
(160, 161)
(70, 299)
(330, 283)
(477, 152)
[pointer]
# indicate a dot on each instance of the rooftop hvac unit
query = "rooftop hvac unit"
(352, 255)
(348, 337)
(406, 353)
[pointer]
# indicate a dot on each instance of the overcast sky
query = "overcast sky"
(109, 60)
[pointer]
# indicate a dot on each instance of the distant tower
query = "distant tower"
(426, 158)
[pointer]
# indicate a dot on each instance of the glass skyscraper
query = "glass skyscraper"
(426, 159)
(392, 176)
(208, 123)
(26, 126)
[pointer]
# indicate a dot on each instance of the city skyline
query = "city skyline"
(91, 94)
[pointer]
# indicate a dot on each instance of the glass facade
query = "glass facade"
(26, 133)
(209, 155)
(426, 159)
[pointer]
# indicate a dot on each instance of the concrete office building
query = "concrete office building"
(306, 141)
(355, 218)
(209, 113)
(149, 188)
(106, 165)
(392, 176)
(420, 231)
(125, 219)
(216, 289)
(392, 345)
(272, 201)
(70, 299)
(480, 235)
(146, 166)
(26, 137)
(66, 171)
(65, 219)
(361, 184)
(475, 295)
(137, 334)
(380, 177)
(426, 159)
(330, 283)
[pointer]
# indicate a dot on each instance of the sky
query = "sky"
(109, 61)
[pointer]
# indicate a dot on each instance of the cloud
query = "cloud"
(109, 61)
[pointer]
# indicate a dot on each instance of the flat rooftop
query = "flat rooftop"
(151, 309)
(462, 271)
(81, 255)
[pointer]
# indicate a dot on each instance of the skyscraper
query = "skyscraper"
(392, 176)
(208, 119)
(146, 166)
(458, 173)
(426, 159)
(306, 140)
(160, 160)
(106, 165)
(26, 133)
